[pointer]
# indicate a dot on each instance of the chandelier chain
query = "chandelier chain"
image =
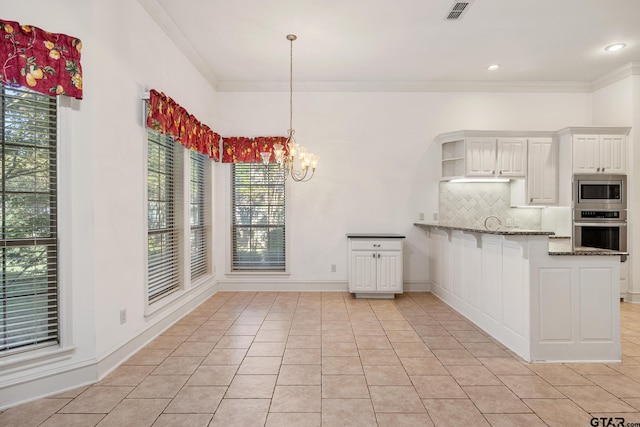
(291, 39)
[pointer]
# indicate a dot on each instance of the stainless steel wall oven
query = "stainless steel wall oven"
(600, 212)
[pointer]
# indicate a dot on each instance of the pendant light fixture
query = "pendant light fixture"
(296, 161)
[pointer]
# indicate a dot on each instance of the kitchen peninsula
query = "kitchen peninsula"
(560, 306)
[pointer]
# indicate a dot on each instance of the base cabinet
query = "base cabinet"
(375, 267)
(545, 308)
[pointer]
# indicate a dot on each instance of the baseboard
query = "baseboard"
(69, 377)
(257, 285)
(261, 285)
(48, 384)
(417, 286)
(633, 297)
(116, 356)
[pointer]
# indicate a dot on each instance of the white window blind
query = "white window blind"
(258, 223)
(163, 207)
(28, 217)
(198, 212)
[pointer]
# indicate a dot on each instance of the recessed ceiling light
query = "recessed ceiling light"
(614, 47)
(493, 67)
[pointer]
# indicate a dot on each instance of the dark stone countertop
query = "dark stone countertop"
(554, 249)
(503, 232)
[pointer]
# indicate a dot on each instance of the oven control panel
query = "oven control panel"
(585, 214)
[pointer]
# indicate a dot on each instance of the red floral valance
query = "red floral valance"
(239, 149)
(169, 118)
(47, 63)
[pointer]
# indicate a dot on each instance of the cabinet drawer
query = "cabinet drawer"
(376, 245)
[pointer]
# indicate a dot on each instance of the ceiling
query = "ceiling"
(401, 44)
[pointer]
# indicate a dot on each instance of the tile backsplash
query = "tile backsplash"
(469, 204)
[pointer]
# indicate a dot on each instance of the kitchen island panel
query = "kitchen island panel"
(545, 308)
(554, 305)
(596, 320)
(574, 300)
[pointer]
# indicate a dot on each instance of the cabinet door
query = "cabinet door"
(480, 156)
(363, 271)
(542, 176)
(586, 154)
(389, 271)
(613, 154)
(512, 157)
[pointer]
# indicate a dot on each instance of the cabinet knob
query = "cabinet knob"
(531, 200)
(493, 172)
(602, 169)
(378, 255)
(373, 254)
(598, 169)
(500, 172)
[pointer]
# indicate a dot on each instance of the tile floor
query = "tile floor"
(311, 359)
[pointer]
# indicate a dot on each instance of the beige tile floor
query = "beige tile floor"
(311, 359)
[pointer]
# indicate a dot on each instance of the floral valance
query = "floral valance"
(45, 62)
(240, 149)
(168, 117)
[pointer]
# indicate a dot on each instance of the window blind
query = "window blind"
(198, 211)
(28, 218)
(163, 256)
(258, 223)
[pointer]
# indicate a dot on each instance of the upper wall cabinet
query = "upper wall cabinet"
(599, 154)
(542, 180)
(596, 150)
(496, 157)
(485, 154)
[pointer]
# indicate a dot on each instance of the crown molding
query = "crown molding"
(415, 86)
(628, 70)
(164, 21)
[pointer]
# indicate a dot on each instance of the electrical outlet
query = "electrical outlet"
(516, 223)
(333, 268)
(123, 316)
(435, 216)
(421, 216)
(509, 222)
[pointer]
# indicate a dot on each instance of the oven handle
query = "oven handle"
(599, 224)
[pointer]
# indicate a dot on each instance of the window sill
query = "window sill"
(34, 358)
(263, 273)
(159, 306)
(258, 273)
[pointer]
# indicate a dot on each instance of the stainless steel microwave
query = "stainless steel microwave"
(600, 191)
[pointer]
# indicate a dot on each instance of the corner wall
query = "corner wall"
(124, 54)
(618, 104)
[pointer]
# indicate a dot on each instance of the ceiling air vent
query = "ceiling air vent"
(458, 9)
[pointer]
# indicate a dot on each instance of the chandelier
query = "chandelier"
(294, 158)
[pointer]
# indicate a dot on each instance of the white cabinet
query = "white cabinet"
(542, 176)
(496, 157)
(375, 265)
(483, 154)
(480, 156)
(601, 153)
(511, 157)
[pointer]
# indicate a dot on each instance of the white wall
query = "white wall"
(378, 167)
(618, 104)
(103, 226)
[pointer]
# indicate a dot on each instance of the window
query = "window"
(198, 212)
(28, 215)
(163, 208)
(258, 223)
